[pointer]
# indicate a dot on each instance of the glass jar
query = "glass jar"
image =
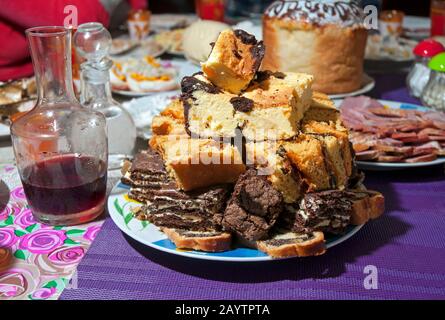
(420, 73)
(433, 95)
(418, 76)
(139, 24)
(60, 147)
(93, 43)
(391, 23)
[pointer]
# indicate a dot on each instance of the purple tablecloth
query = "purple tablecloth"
(406, 246)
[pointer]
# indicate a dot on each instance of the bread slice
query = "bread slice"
(334, 161)
(234, 60)
(208, 110)
(341, 133)
(208, 241)
(269, 158)
(322, 109)
(164, 125)
(291, 244)
(367, 205)
(170, 121)
(278, 103)
(174, 110)
(307, 154)
(198, 163)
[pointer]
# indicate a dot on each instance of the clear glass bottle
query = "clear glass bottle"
(93, 43)
(60, 147)
(433, 95)
(420, 73)
(418, 76)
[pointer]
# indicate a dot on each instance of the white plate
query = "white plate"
(135, 50)
(119, 206)
(368, 84)
(168, 21)
(387, 166)
(185, 68)
(142, 110)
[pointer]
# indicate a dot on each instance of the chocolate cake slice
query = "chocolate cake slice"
(254, 207)
(196, 211)
(167, 206)
(146, 171)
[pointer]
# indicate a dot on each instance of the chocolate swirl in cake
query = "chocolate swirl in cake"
(190, 85)
(257, 50)
(318, 12)
(242, 104)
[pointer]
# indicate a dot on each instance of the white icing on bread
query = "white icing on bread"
(345, 13)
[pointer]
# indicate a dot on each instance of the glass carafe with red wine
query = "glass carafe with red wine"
(60, 147)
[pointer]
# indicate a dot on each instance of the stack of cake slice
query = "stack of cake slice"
(253, 154)
(165, 204)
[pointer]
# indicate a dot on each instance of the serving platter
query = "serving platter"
(368, 84)
(185, 68)
(125, 47)
(119, 208)
(386, 166)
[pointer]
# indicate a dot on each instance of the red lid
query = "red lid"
(428, 48)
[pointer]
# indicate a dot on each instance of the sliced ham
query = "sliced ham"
(432, 147)
(404, 135)
(432, 132)
(387, 112)
(367, 155)
(437, 118)
(393, 135)
(415, 139)
(390, 158)
(436, 138)
(404, 151)
(391, 142)
(425, 158)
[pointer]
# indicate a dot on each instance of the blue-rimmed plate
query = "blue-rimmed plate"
(119, 207)
(388, 166)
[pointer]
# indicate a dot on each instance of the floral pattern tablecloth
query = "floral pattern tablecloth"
(36, 261)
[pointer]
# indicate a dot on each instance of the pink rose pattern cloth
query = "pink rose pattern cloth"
(37, 262)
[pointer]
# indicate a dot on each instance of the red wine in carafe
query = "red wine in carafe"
(65, 185)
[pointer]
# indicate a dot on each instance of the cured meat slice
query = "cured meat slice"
(404, 135)
(432, 147)
(436, 138)
(387, 158)
(405, 151)
(391, 142)
(432, 132)
(424, 158)
(388, 112)
(367, 155)
(416, 139)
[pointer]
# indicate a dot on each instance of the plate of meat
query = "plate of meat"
(388, 135)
